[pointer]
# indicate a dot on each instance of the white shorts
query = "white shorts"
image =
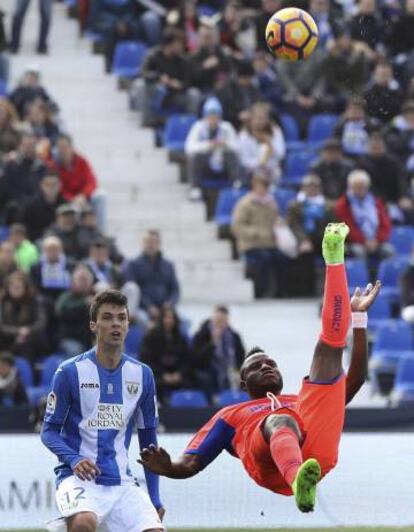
(125, 508)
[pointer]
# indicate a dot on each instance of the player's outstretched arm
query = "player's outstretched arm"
(157, 460)
(358, 369)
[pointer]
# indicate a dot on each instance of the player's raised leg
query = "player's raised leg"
(336, 311)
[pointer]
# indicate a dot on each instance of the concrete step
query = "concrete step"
(238, 291)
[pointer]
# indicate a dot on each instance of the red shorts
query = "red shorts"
(321, 408)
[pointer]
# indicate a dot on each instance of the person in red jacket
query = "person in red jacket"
(366, 216)
(78, 180)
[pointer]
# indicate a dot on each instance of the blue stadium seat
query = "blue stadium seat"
(231, 397)
(389, 273)
(227, 199)
(128, 58)
(133, 341)
(403, 392)
(321, 127)
(357, 273)
(4, 232)
(49, 366)
(188, 399)
(283, 196)
(3, 87)
(25, 371)
(176, 130)
(290, 128)
(298, 163)
(379, 314)
(402, 238)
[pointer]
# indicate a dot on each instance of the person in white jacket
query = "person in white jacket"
(211, 149)
(261, 144)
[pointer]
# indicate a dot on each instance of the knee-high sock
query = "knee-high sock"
(286, 453)
(336, 310)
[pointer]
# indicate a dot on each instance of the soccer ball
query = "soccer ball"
(291, 34)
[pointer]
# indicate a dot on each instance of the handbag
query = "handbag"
(286, 241)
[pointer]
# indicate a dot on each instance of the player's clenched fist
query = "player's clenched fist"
(156, 459)
(85, 469)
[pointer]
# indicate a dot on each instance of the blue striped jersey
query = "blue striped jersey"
(98, 410)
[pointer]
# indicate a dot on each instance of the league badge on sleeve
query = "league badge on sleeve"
(51, 403)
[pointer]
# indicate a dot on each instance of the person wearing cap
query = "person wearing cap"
(238, 93)
(45, 12)
(253, 225)
(66, 227)
(333, 168)
(211, 149)
(39, 211)
(25, 252)
(367, 218)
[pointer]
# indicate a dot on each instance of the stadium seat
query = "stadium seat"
(283, 196)
(321, 127)
(393, 341)
(133, 341)
(49, 366)
(298, 163)
(403, 392)
(402, 238)
(188, 399)
(379, 314)
(176, 131)
(389, 273)
(25, 371)
(128, 59)
(227, 199)
(231, 397)
(290, 128)
(357, 273)
(3, 87)
(4, 232)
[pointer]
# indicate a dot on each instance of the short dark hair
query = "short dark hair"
(223, 309)
(7, 358)
(254, 351)
(112, 296)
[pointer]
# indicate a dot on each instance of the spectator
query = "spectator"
(21, 176)
(332, 168)
(320, 11)
(12, 391)
(354, 128)
(238, 93)
(307, 217)
(253, 225)
(402, 34)
(383, 95)
(166, 75)
(7, 261)
(367, 25)
(30, 90)
(388, 180)
(261, 144)
(186, 19)
(218, 354)
(25, 253)
(345, 69)
(154, 275)
(89, 233)
(210, 65)
(66, 228)
(406, 283)
(267, 80)
(400, 133)
(211, 149)
(165, 349)
(237, 35)
(79, 183)
(72, 310)
(45, 12)
(41, 122)
(23, 319)
(304, 88)
(9, 136)
(367, 218)
(268, 8)
(52, 274)
(39, 212)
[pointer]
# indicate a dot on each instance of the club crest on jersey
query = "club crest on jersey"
(132, 387)
(110, 389)
(51, 403)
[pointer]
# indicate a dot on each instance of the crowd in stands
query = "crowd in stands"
(296, 144)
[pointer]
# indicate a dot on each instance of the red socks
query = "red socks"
(336, 310)
(286, 453)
